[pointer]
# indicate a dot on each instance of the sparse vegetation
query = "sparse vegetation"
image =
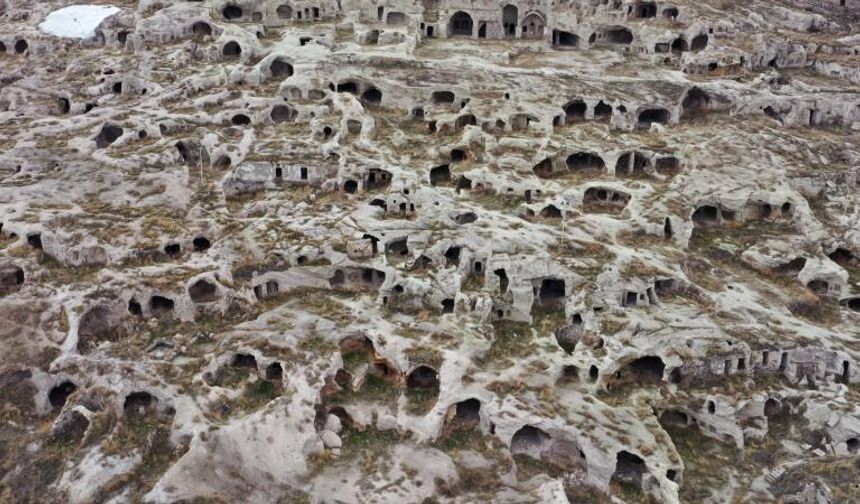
(246, 221)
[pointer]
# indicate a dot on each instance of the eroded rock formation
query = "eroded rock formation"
(447, 251)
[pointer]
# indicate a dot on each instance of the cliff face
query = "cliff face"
(271, 251)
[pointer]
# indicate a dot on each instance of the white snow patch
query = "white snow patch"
(77, 21)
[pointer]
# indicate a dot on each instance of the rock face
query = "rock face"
(352, 251)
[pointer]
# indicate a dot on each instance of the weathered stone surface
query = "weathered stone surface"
(352, 251)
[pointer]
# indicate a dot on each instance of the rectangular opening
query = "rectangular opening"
(630, 299)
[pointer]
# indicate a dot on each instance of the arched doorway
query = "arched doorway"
(460, 25)
(510, 17)
(533, 26)
(679, 45)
